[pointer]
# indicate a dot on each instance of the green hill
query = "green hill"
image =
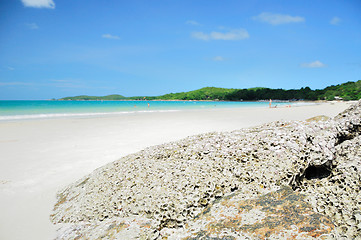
(346, 91)
(85, 97)
(207, 93)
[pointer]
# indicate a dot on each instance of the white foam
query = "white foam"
(66, 115)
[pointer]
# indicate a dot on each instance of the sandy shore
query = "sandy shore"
(39, 157)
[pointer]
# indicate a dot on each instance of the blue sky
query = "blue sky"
(52, 48)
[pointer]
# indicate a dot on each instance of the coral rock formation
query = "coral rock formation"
(282, 214)
(162, 190)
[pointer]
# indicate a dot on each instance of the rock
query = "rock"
(281, 214)
(318, 118)
(170, 184)
(126, 228)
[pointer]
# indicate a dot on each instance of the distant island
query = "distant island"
(345, 91)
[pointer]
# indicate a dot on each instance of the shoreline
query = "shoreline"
(39, 157)
(91, 114)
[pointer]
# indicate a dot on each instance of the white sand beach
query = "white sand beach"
(39, 157)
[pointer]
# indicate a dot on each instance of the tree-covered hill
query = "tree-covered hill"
(207, 93)
(85, 97)
(346, 91)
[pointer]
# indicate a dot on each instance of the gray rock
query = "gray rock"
(170, 184)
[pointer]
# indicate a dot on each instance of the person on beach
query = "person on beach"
(270, 103)
(148, 105)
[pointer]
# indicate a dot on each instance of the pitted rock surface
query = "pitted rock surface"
(125, 228)
(280, 214)
(171, 184)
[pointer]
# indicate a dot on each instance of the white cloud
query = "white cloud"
(277, 19)
(109, 36)
(32, 26)
(192, 22)
(218, 58)
(10, 68)
(335, 21)
(236, 34)
(39, 3)
(200, 35)
(315, 64)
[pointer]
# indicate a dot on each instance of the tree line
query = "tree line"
(346, 91)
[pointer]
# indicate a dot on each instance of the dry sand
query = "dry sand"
(39, 157)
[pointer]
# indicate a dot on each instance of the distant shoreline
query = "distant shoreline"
(180, 100)
(186, 100)
(346, 91)
(43, 109)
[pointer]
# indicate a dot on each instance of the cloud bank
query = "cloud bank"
(277, 19)
(236, 34)
(315, 64)
(39, 3)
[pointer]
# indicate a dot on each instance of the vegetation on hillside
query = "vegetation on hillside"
(346, 91)
(207, 93)
(85, 97)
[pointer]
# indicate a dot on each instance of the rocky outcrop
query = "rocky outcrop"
(115, 228)
(164, 190)
(282, 214)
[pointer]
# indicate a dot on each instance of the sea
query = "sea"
(42, 109)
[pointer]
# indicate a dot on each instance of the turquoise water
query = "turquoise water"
(12, 110)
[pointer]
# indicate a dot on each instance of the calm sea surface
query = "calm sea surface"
(17, 110)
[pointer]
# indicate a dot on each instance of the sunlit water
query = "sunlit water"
(17, 110)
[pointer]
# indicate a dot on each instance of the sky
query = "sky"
(53, 49)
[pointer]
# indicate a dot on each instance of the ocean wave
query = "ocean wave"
(70, 115)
